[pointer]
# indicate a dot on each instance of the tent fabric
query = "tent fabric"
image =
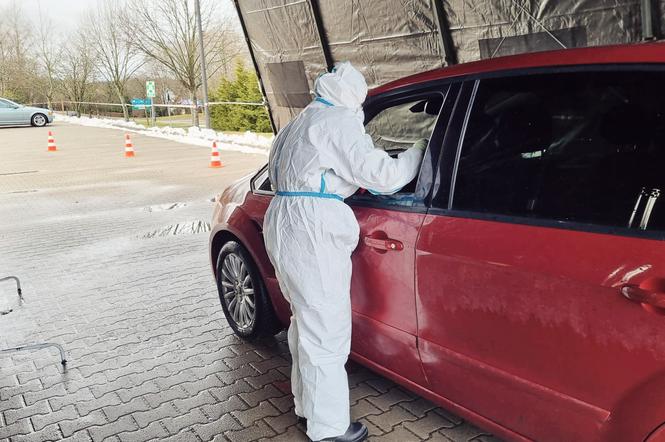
(390, 39)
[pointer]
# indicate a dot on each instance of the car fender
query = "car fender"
(44, 112)
(241, 227)
(640, 414)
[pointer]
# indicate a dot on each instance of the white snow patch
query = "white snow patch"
(248, 142)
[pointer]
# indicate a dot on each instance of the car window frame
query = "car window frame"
(372, 108)
(455, 146)
(376, 104)
(258, 180)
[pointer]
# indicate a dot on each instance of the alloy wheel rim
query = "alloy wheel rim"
(39, 120)
(238, 291)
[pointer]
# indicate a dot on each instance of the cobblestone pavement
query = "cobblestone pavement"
(132, 299)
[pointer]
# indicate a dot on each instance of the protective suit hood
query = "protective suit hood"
(345, 86)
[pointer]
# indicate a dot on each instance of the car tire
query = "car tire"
(242, 293)
(39, 120)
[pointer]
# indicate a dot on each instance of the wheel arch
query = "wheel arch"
(226, 233)
(38, 112)
(640, 414)
(248, 232)
(216, 243)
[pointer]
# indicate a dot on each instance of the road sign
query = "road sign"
(150, 89)
(140, 103)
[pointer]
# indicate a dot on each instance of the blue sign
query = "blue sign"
(140, 103)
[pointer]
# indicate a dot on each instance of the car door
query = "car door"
(24, 114)
(7, 113)
(382, 287)
(541, 266)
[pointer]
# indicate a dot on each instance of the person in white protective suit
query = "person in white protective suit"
(317, 160)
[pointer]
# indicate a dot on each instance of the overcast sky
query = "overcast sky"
(65, 13)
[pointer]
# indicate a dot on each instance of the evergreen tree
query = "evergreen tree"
(237, 117)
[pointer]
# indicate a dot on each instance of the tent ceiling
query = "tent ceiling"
(293, 41)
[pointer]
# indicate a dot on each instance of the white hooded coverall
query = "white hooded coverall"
(317, 160)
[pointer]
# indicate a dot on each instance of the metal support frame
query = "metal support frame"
(18, 292)
(27, 347)
(204, 73)
(18, 284)
(646, 9)
(447, 44)
(318, 22)
(256, 65)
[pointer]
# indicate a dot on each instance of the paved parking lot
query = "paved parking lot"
(112, 253)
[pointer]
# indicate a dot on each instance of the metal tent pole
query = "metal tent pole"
(318, 22)
(204, 74)
(646, 7)
(447, 44)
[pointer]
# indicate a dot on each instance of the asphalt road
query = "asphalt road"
(91, 235)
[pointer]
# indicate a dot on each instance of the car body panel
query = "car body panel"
(639, 53)
(563, 332)
(239, 215)
(383, 292)
(21, 115)
(519, 327)
(376, 272)
(464, 413)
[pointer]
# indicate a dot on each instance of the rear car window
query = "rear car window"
(261, 181)
(582, 147)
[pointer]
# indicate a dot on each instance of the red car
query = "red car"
(519, 281)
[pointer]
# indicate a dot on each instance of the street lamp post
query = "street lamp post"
(204, 75)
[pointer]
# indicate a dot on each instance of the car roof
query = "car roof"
(617, 54)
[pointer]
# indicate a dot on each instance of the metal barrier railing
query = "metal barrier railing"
(94, 109)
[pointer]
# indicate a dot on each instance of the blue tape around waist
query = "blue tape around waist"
(320, 194)
(329, 196)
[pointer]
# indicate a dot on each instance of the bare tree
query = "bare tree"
(5, 53)
(16, 65)
(165, 31)
(49, 54)
(115, 51)
(77, 69)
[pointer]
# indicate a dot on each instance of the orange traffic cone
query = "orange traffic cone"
(51, 142)
(215, 160)
(129, 147)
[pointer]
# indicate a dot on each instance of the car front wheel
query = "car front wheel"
(39, 120)
(244, 299)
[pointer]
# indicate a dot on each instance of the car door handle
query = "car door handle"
(383, 244)
(645, 297)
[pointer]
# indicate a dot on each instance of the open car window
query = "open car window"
(395, 129)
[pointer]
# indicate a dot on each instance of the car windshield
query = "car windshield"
(8, 102)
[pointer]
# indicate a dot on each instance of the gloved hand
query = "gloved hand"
(421, 144)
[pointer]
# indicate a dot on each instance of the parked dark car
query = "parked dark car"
(519, 281)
